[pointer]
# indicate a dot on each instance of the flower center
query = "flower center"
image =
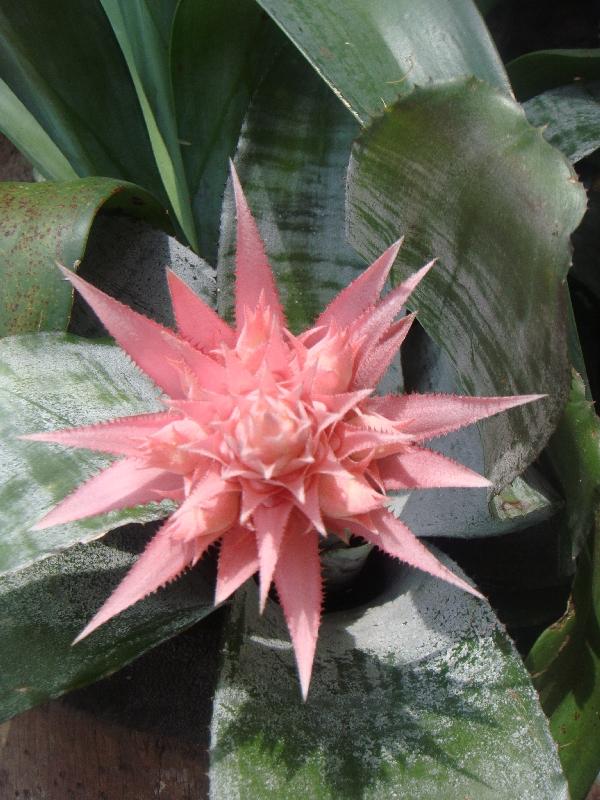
(271, 433)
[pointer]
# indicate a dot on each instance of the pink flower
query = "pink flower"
(269, 441)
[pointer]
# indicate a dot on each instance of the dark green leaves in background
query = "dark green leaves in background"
(370, 53)
(458, 170)
(292, 160)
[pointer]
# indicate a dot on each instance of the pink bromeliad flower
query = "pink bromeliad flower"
(269, 441)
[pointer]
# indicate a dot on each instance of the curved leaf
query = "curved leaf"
(65, 67)
(141, 36)
(527, 501)
(458, 169)
(369, 53)
(570, 116)
(537, 72)
(52, 381)
(565, 660)
(291, 160)
(42, 223)
(45, 606)
(219, 52)
(418, 694)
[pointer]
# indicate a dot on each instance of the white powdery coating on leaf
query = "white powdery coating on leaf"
(425, 685)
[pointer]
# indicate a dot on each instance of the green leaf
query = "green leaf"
(537, 72)
(565, 660)
(466, 513)
(460, 172)
(65, 67)
(141, 36)
(19, 125)
(370, 53)
(43, 223)
(291, 161)
(417, 694)
(45, 606)
(219, 52)
(570, 116)
(52, 381)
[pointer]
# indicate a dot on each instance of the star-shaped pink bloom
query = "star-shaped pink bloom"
(269, 441)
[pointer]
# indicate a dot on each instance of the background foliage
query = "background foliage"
(350, 124)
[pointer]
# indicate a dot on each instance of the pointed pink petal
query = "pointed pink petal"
(238, 561)
(121, 437)
(357, 440)
(362, 293)
(395, 539)
(162, 561)
(270, 526)
(299, 586)
(373, 363)
(311, 507)
(253, 273)
(124, 484)
(208, 373)
(419, 468)
(372, 325)
(151, 346)
(344, 495)
(197, 321)
(424, 416)
(213, 506)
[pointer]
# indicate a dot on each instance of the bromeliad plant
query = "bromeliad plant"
(269, 439)
(261, 436)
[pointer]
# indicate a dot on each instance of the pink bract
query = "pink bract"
(269, 441)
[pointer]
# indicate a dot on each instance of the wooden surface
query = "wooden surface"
(139, 735)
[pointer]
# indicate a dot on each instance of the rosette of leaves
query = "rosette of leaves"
(350, 124)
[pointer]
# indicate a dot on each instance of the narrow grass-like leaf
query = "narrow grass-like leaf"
(64, 65)
(141, 37)
(25, 132)
(219, 52)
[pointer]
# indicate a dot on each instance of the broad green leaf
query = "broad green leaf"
(52, 381)
(537, 72)
(219, 51)
(46, 605)
(291, 161)
(565, 660)
(370, 53)
(64, 66)
(458, 169)
(22, 128)
(570, 116)
(42, 223)
(417, 694)
(466, 513)
(141, 34)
